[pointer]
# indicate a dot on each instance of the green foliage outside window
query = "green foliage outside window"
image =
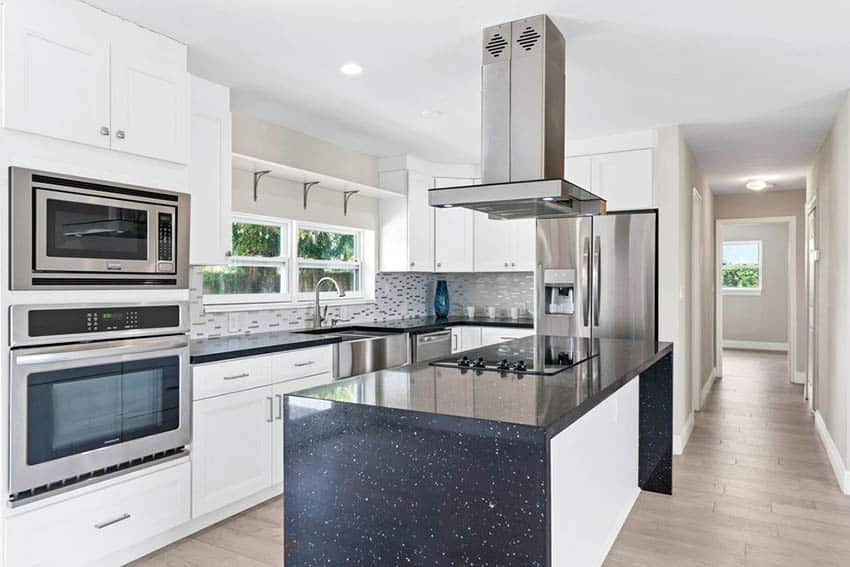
(256, 240)
(324, 245)
(744, 277)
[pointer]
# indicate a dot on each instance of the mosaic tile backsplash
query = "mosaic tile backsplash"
(397, 296)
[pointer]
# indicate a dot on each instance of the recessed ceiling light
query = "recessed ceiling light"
(548, 198)
(351, 69)
(756, 184)
(430, 113)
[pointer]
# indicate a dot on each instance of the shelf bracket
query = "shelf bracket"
(257, 176)
(307, 186)
(346, 196)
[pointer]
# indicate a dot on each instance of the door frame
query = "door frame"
(811, 345)
(791, 221)
(697, 247)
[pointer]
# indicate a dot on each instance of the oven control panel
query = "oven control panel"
(74, 321)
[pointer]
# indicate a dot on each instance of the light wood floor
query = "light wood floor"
(754, 488)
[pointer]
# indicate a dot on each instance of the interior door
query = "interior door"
(623, 302)
(150, 95)
(57, 75)
(811, 307)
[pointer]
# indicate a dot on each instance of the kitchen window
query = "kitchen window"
(741, 267)
(278, 261)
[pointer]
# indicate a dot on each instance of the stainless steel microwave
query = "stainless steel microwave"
(74, 233)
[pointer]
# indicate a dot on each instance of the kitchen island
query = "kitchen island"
(428, 465)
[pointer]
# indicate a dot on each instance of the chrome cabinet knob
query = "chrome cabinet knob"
(412, 264)
(104, 130)
(120, 134)
(439, 264)
(506, 264)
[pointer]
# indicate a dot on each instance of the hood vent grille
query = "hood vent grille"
(497, 44)
(528, 38)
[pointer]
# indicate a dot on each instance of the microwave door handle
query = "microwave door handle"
(77, 352)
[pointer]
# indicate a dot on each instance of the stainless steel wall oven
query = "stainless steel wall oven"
(95, 390)
(70, 232)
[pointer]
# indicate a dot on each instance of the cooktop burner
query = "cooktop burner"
(537, 354)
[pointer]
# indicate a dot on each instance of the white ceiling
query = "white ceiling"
(755, 83)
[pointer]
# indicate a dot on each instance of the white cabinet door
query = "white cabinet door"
(524, 249)
(456, 339)
(577, 170)
(493, 243)
(279, 390)
(420, 223)
(231, 448)
(624, 179)
(210, 173)
(453, 233)
(393, 221)
(470, 337)
(56, 80)
(150, 94)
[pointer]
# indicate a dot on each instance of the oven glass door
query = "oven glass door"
(86, 233)
(76, 410)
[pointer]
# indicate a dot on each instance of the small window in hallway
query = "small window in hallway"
(741, 266)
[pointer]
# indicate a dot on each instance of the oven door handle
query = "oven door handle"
(70, 353)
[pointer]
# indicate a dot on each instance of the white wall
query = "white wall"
(829, 181)
(760, 317)
(775, 204)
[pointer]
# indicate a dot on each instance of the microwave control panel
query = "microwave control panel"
(165, 251)
(57, 322)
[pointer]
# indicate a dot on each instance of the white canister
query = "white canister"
(491, 312)
(470, 311)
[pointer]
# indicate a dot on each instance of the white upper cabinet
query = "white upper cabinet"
(504, 245)
(79, 74)
(577, 170)
(57, 70)
(210, 173)
(624, 179)
(453, 233)
(407, 225)
(150, 94)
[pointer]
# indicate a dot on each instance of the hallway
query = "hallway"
(754, 486)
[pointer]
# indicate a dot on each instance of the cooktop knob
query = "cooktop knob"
(520, 366)
(479, 363)
(463, 361)
(503, 364)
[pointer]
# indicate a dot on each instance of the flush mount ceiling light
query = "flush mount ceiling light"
(430, 113)
(757, 185)
(351, 69)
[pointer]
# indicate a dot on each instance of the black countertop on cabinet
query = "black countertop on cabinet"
(551, 402)
(237, 346)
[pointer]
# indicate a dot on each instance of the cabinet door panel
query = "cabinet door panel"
(493, 244)
(231, 448)
(577, 170)
(420, 223)
(454, 240)
(150, 94)
(470, 337)
(524, 247)
(624, 179)
(210, 173)
(57, 75)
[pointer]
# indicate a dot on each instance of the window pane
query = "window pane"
(325, 245)
(743, 277)
(220, 280)
(256, 240)
(741, 253)
(347, 278)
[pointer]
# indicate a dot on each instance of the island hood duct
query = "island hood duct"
(523, 94)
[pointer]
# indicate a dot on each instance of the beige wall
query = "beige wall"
(775, 204)
(829, 181)
(761, 317)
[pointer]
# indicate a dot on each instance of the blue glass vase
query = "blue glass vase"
(441, 299)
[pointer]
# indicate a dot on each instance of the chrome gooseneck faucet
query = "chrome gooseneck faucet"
(318, 316)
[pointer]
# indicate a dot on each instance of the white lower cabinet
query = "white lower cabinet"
(470, 337)
(231, 448)
(456, 339)
(86, 528)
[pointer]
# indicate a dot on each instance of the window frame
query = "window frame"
(298, 263)
(283, 262)
(759, 266)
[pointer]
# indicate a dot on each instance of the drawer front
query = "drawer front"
(296, 364)
(493, 335)
(219, 378)
(81, 530)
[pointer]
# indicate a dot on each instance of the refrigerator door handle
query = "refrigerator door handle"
(585, 280)
(597, 280)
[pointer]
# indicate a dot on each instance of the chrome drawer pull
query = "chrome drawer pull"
(308, 363)
(108, 523)
(235, 376)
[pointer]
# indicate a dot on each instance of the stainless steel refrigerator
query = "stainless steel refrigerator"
(597, 276)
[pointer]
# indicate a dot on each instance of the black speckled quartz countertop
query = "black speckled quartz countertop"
(237, 346)
(551, 402)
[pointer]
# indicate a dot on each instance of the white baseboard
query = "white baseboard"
(755, 345)
(706, 389)
(798, 377)
(838, 467)
(680, 441)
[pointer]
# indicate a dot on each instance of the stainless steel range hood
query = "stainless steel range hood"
(523, 93)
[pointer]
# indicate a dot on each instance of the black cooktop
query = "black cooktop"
(539, 354)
